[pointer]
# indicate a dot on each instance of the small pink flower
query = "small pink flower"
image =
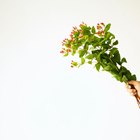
(71, 35)
(72, 39)
(82, 24)
(99, 27)
(80, 36)
(103, 33)
(75, 28)
(62, 51)
(68, 50)
(98, 32)
(102, 24)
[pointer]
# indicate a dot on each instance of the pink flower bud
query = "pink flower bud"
(62, 51)
(102, 23)
(68, 50)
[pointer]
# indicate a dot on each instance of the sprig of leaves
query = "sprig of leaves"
(97, 46)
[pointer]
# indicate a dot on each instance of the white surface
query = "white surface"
(41, 97)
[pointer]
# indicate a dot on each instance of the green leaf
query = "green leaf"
(113, 66)
(124, 79)
(116, 42)
(118, 77)
(107, 68)
(91, 39)
(133, 77)
(112, 51)
(107, 27)
(101, 55)
(126, 72)
(93, 30)
(97, 65)
(95, 44)
(82, 53)
(66, 54)
(74, 47)
(123, 71)
(105, 61)
(98, 58)
(106, 46)
(76, 34)
(109, 35)
(123, 60)
(105, 58)
(90, 56)
(114, 72)
(96, 52)
(117, 57)
(89, 62)
(75, 64)
(108, 41)
(86, 30)
(112, 36)
(73, 52)
(82, 60)
(86, 46)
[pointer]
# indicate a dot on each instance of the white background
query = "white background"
(41, 97)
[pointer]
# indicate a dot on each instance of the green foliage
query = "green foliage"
(97, 65)
(82, 53)
(123, 60)
(96, 44)
(82, 60)
(90, 56)
(116, 42)
(107, 27)
(93, 30)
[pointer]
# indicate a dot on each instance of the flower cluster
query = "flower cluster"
(96, 46)
(100, 28)
(79, 35)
